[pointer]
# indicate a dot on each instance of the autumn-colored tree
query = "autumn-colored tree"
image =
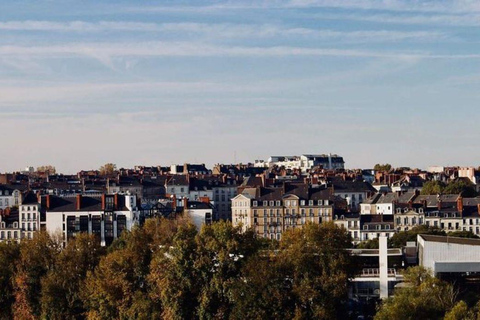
(9, 255)
(37, 257)
(60, 295)
(47, 170)
(118, 288)
(108, 169)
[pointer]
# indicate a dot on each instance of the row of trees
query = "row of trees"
(166, 269)
(400, 239)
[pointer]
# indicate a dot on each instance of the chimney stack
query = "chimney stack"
(460, 204)
(78, 202)
(174, 202)
(48, 201)
(205, 200)
(185, 203)
(116, 201)
(103, 202)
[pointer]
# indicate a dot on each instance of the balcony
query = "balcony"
(375, 272)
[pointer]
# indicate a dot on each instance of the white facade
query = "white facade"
(29, 219)
(200, 216)
(9, 198)
(449, 254)
(107, 223)
(306, 162)
(241, 206)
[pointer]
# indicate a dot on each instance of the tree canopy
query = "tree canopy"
(168, 269)
(422, 297)
(382, 167)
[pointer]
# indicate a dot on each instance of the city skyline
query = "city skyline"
(218, 81)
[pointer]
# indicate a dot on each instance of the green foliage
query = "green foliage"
(9, 255)
(400, 239)
(432, 188)
(317, 263)
(173, 276)
(369, 244)
(460, 187)
(382, 167)
(463, 234)
(461, 312)
(454, 187)
(423, 297)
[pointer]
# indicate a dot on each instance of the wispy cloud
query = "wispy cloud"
(185, 49)
(104, 52)
(457, 6)
(223, 30)
(464, 20)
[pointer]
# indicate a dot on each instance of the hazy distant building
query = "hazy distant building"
(306, 162)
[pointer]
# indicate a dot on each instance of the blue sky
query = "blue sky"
(83, 83)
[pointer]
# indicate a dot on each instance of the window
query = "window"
(255, 203)
(302, 203)
(320, 202)
(310, 202)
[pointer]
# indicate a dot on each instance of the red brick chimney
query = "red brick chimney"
(460, 204)
(47, 201)
(103, 201)
(115, 199)
(205, 199)
(185, 203)
(78, 202)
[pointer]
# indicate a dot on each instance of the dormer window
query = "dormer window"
(302, 203)
(325, 202)
(278, 204)
(310, 202)
(320, 202)
(255, 203)
(420, 210)
(265, 203)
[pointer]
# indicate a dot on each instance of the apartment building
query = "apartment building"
(270, 211)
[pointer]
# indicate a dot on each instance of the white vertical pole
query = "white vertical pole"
(383, 262)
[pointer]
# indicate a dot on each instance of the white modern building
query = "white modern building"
(307, 161)
(106, 215)
(443, 254)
